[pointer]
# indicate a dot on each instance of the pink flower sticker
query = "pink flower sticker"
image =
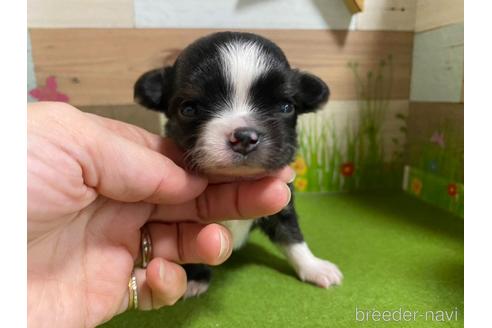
(438, 138)
(49, 92)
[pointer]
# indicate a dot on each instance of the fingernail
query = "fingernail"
(224, 246)
(161, 270)
(293, 177)
(289, 192)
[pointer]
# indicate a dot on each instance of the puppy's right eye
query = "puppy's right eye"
(188, 111)
(286, 108)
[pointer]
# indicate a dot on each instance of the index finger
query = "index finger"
(131, 169)
(142, 137)
(238, 200)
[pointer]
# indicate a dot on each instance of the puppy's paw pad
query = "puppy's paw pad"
(195, 288)
(321, 273)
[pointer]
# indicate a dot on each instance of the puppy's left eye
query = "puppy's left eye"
(188, 111)
(286, 108)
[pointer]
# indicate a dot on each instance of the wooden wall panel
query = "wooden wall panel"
(436, 13)
(387, 15)
(424, 116)
(272, 14)
(99, 66)
(275, 14)
(80, 13)
(438, 60)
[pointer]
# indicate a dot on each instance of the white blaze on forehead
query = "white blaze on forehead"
(244, 62)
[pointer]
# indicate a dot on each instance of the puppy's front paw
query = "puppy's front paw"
(195, 288)
(320, 272)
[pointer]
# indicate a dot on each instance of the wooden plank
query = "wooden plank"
(438, 64)
(100, 66)
(271, 14)
(300, 14)
(436, 13)
(78, 13)
(424, 116)
(390, 15)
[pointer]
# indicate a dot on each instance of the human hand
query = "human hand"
(92, 184)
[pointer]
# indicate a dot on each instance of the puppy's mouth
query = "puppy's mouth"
(226, 163)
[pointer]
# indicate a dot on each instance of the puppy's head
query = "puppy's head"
(232, 103)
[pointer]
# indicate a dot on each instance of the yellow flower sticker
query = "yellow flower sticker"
(300, 183)
(299, 166)
(416, 186)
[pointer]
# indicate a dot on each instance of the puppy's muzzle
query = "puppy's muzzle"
(244, 140)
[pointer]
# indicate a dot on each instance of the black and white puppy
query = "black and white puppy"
(232, 101)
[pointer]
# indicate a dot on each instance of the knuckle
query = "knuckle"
(237, 208)
(178, 289)
(202, 204)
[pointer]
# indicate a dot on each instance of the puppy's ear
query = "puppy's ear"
(311, 93)
(154, 88)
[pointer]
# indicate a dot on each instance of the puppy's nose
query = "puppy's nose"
(244, 140)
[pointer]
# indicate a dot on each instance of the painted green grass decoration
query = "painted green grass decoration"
(319, 156)
(437, 172)
(434, 189)
(442, 153)
(352, 156)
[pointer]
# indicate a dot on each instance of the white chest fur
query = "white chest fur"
(240, 231)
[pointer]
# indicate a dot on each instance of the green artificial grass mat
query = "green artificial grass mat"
(395, 253)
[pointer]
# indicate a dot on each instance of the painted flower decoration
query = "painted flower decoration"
(416, 186)
(49, 92)
(300, 183)
(299, 166)
(452, 189)
(347, 169)
(438, 138)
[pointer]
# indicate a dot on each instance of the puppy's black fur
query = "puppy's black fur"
(206, 85)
